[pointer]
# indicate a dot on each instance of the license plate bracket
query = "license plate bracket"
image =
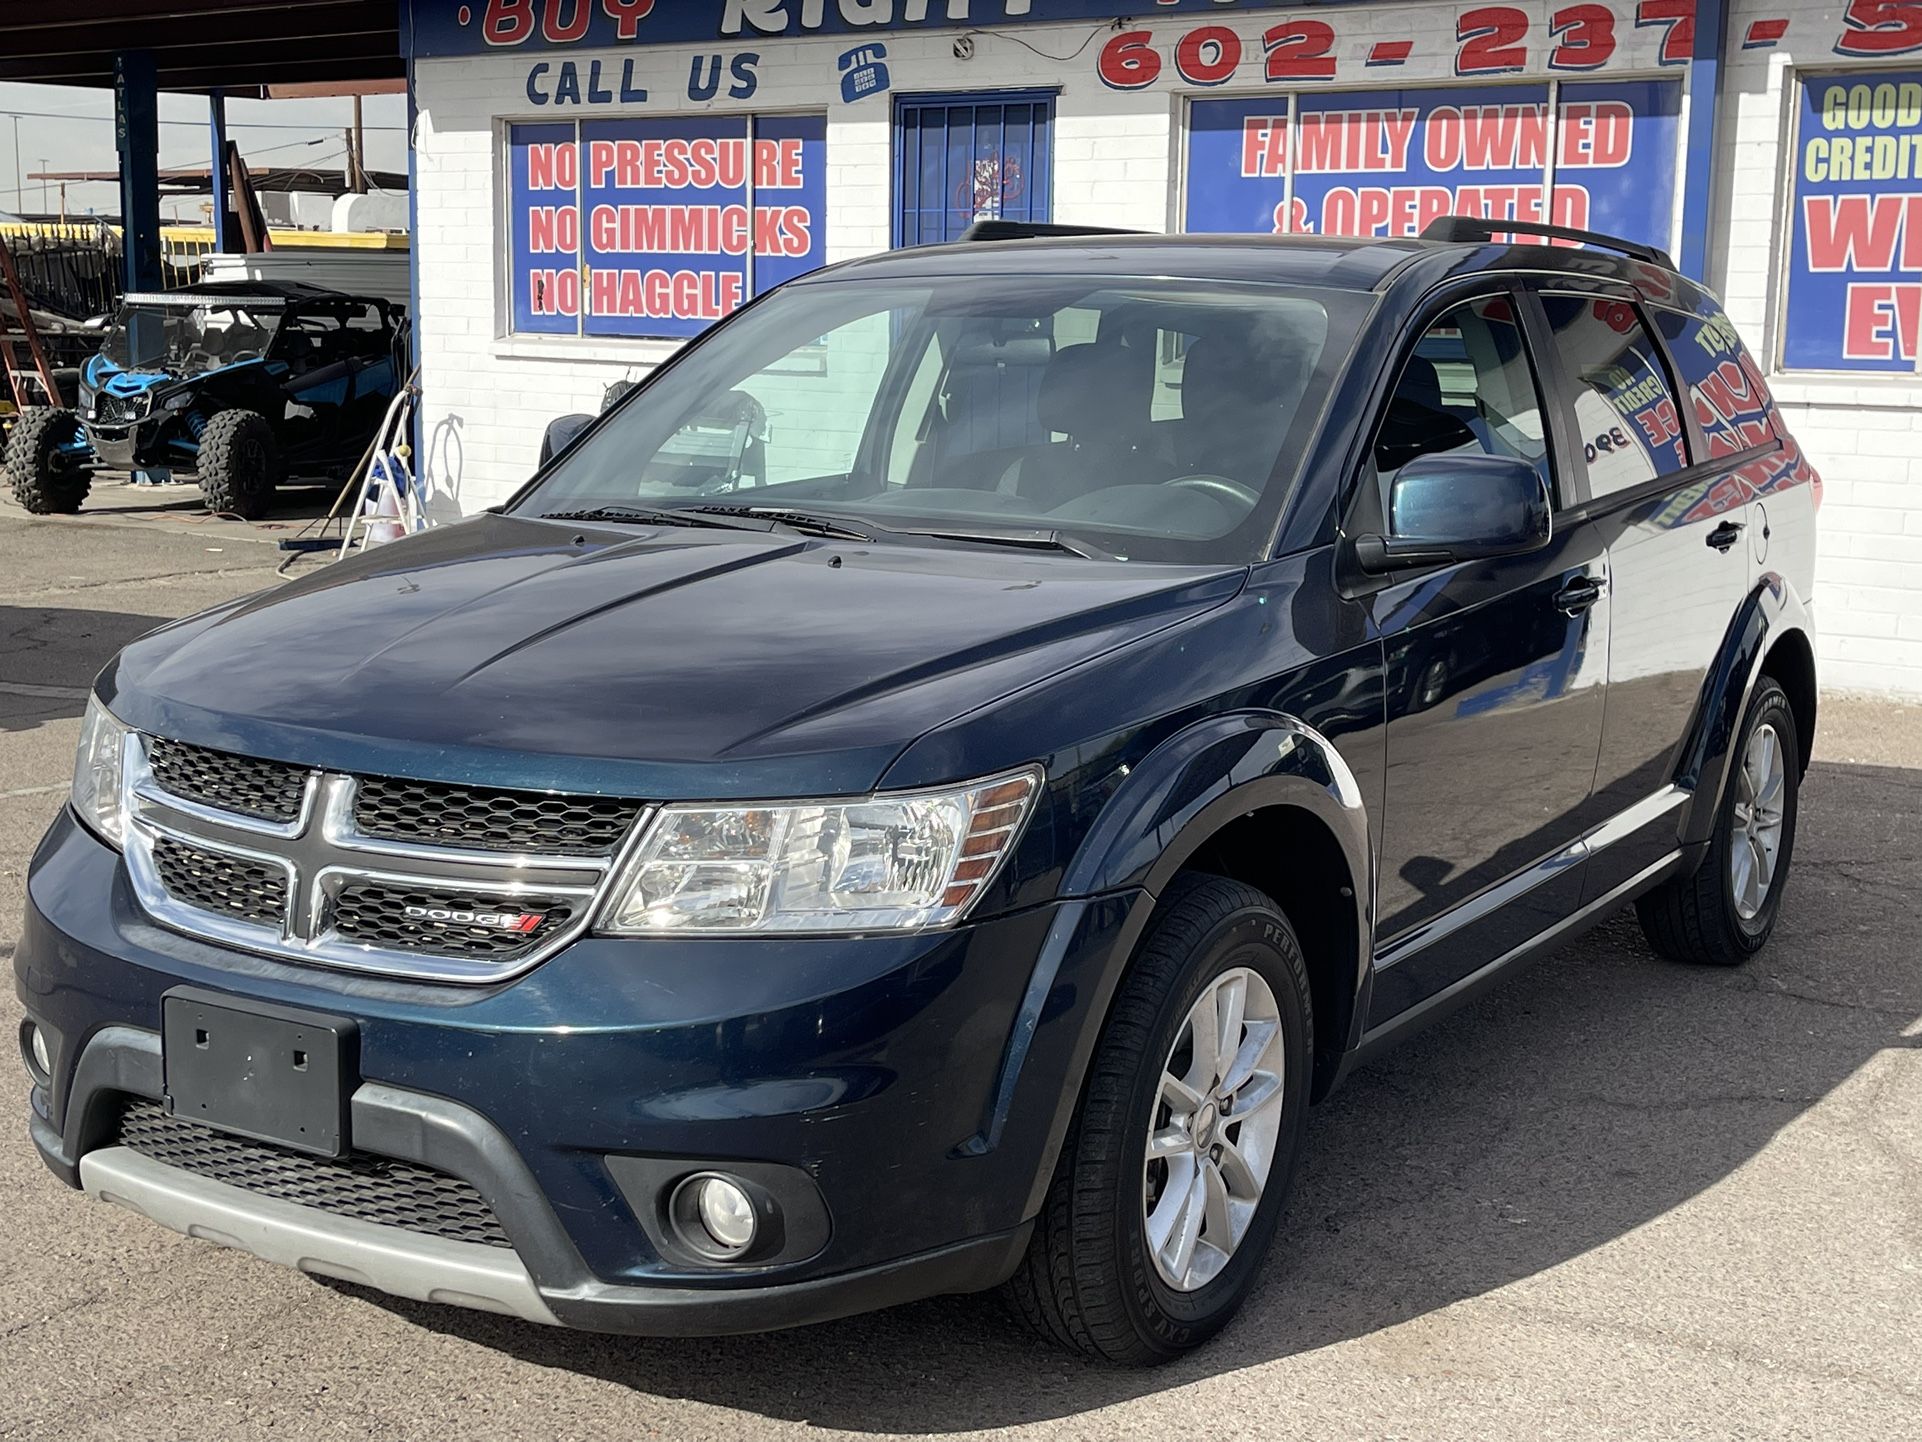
(273, 1073)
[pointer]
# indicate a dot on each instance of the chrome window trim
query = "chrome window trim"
(323, 851)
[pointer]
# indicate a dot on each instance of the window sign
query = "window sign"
(1854, 294)
(1390, 162)
(659, 227)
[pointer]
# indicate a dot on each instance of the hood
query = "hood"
(661, 662)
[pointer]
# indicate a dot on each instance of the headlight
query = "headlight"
(178, 401)
(96, 772)
(894, 862)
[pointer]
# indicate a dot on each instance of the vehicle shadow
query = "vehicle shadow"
(1597, 1092)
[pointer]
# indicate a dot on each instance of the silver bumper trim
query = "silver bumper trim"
(389, 1259)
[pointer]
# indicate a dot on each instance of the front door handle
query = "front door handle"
(1578, 595)
(1725, 535)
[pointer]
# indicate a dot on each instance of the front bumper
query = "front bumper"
(919, 1084)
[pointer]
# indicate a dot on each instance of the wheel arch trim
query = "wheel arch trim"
(1770, 614)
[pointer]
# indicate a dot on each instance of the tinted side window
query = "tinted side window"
(1468, 387)
(1730, 399)
(1620, 404)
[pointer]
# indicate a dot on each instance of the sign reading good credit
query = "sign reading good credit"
(1855, 263)
(1390, 162)
(651, 227)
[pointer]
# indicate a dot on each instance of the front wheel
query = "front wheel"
(48, 463)
(239, 464)
(1174, 1173)
(1725, 911)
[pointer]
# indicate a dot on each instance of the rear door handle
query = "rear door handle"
(1725, 535)
(1578, 595)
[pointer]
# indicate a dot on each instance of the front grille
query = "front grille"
(225, 885)
(265, 790)
(434, 814)
(367, 1188)
(375, 913)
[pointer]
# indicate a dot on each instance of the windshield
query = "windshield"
(1149, 420)
(188, 337)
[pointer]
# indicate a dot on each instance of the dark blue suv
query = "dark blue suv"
(927, 791)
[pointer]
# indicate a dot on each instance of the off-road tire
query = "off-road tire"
(1694, 918)
(1087, 1281)
(239, 464)
(41, 481)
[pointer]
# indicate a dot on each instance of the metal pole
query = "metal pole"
(223, 218)
(43, 185)
(359, 150)
(19, 179)
(136, 107)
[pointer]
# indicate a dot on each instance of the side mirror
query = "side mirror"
(1460, 506)
(560, 435)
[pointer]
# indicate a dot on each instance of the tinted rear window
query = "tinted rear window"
(1725, 386)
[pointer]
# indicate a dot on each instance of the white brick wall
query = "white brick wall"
(1864, 435)
(489, 395)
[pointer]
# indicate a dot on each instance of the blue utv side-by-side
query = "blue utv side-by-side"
(242, 386)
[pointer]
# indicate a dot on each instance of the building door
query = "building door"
(963, 158)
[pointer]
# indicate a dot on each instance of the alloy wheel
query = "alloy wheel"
(1756, 844)
(1213, 1129)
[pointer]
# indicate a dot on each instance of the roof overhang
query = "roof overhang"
(241, 46)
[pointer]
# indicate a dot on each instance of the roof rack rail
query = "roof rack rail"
(1473, 228)
(1032, 230)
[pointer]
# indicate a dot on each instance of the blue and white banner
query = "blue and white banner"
(659, 227)
(1389, 162)
(1855, 257)
(480, 27)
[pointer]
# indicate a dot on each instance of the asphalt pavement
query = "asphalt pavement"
(1614, 1198)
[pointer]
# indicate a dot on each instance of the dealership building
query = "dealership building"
(597, 180)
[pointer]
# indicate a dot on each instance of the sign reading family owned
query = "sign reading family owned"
(1389, 163)
(476, 27)
(1855, 262)
(659, 227)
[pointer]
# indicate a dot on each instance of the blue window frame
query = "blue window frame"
(963, 158)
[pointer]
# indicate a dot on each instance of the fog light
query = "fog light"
(39, 1053)
(727, 1212)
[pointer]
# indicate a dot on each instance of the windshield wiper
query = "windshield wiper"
(647, 516)
(1030, 540)
(806, 522)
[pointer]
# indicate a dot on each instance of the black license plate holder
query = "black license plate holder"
(273, 1073)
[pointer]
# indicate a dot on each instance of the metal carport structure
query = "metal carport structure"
(212, 47)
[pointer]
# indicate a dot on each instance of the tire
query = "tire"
(43, 479)
(239, 464)
(1089, 1280)
(1706, 917)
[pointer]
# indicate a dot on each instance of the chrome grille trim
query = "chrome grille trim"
(323, 852)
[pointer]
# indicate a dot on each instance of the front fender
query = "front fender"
(1191, 784)
(1199, 781)
(1770, 611)
(1169, 806)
